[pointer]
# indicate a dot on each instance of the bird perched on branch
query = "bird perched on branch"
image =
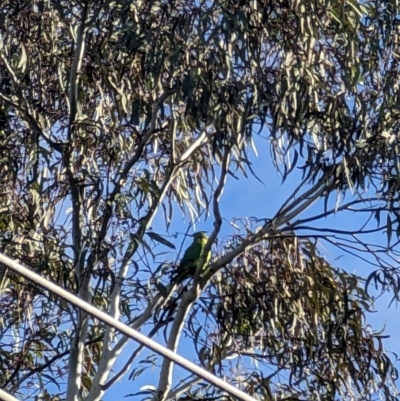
(188, 265)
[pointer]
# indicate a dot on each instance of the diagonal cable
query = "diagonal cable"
(128, 331)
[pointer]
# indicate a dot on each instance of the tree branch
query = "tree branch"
(128, 364)
(78, 341)
(309, 197)
(124, 174)
(217, 215)
(165, 381)
(109, 356)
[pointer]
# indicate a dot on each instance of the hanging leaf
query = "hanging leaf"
(158, 238)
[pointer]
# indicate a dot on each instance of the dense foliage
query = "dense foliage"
(114, 112)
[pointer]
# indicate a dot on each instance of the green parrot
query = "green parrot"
(191, 257)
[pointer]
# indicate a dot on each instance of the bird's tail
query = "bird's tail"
(179, 275)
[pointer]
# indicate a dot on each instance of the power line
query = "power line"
(6, 396)
(123, 328)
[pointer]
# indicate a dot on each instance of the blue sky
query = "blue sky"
(248, 197)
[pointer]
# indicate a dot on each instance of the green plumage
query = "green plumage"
(192, 256)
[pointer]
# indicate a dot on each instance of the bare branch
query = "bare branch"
(217, 215)
(309, 197)
(79, 338)
(193, 147)
(165, 381)
(109, 356)
(76, 68)
(129, 362)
